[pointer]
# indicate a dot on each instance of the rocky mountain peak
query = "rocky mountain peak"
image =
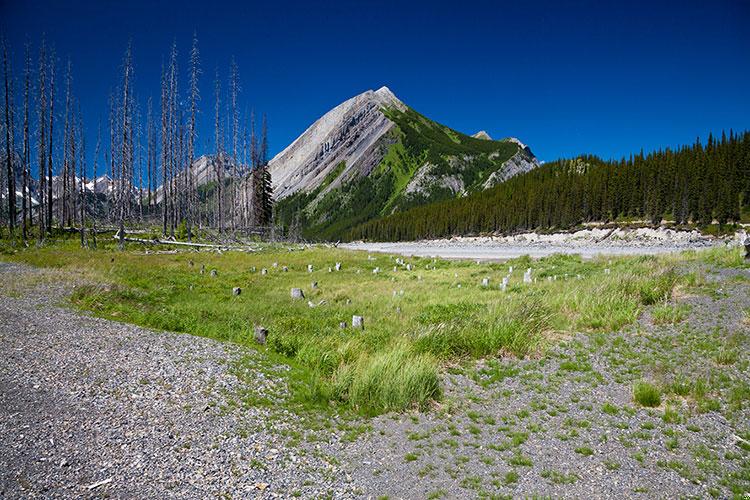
(482, 135)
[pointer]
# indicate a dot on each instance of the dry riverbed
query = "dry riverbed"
(91, 407)
(588, 243)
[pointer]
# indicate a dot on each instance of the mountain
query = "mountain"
(373, 155)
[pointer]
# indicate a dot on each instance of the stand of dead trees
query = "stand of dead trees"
(152, 176)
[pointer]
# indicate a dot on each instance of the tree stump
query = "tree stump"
(358, 322)
(260, 334)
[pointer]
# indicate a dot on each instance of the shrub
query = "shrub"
(646, 394)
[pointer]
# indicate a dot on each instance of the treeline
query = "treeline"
(142, 168)
(696, 184)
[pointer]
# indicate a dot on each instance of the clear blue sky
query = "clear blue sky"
(565, 77)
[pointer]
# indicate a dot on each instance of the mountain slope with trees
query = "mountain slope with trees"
(697, 184)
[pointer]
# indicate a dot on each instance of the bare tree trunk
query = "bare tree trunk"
(66, 144)
(8, 144)
(26, 147)
(50, 200)
(96, 196)
(42, 139)
(82, 191)
(194, 97)
(125, 130)
(218, 163)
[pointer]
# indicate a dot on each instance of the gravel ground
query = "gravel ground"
(566, 425)
(155, 414)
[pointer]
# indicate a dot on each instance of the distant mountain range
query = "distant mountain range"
(372, 155)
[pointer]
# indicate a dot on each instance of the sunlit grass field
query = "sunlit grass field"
(416, 322)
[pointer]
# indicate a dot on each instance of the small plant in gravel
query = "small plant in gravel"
(471, 482)
(646, 394)
(585, 451)
(510, 477)
(727, 355)
(557, 477)
(610, 409)
(411, 457)
(520, 460)
(671, 416)
(612, 465)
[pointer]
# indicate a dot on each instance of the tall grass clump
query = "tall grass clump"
(390, 380)
(516, 328)
(658, 288)
(646, 394)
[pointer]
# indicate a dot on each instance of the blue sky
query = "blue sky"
(565, 77)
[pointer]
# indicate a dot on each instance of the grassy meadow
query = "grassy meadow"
(417, 322)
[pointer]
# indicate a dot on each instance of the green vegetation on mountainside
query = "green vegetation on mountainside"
(698, 184)
(413, 143)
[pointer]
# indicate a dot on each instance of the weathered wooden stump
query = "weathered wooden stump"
(260, 334)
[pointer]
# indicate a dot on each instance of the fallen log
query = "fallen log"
(156, 241)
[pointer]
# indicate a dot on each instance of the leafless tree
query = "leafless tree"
(50, 200)
(218, 164)
(42, 112)
(125, 167)
(26, 146)
(195, 71)
(9, 153)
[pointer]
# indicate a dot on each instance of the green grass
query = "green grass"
(396, 361)
(669, 314)
(646, 394)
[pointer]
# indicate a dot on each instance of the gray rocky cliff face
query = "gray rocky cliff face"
(354, 132)
(521, 162)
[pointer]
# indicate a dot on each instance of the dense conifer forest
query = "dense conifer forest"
(697, 184)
